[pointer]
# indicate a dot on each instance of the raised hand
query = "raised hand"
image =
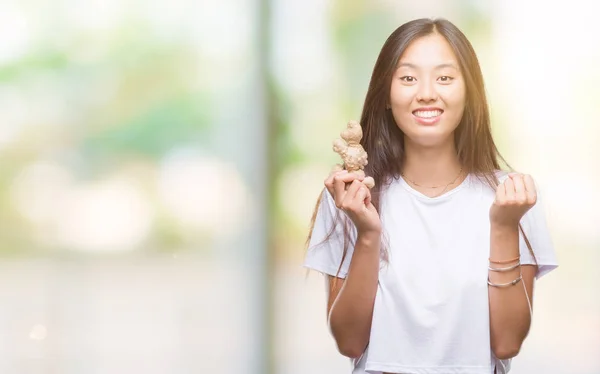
(514, 197)
(353, 197)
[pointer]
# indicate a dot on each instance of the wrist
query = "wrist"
(504, 226)
(369, 237)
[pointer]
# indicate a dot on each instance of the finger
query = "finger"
(349, 197)
(520, 195)
(340, 184)
(509, 188)
(360, 197)
(339, 190)
(530, 189)
(329, 180)
(333, 174)
(347, 177)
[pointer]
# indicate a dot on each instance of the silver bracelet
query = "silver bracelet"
(506, 268)
(511, 283)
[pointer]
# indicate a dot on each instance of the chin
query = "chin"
(429, 139)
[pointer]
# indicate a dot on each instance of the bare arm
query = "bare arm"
(509, 310)
(510, 317)
(350, 301)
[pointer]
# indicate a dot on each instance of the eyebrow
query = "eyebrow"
(413, 66)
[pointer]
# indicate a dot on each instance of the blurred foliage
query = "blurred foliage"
(126, 97)
(155, 130)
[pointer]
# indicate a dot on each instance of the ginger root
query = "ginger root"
(353, 154)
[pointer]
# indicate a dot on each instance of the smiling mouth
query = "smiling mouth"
(428, 113)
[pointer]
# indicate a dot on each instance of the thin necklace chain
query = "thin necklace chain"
(416, 184)
(445, 188)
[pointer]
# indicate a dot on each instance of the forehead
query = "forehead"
(429, 51)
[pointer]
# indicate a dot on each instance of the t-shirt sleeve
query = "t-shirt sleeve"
(535, 226)
(325, 254)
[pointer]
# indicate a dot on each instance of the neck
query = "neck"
(431, 165)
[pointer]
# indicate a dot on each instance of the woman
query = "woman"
(432, 270)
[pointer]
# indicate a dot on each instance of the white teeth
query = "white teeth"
(428, 113)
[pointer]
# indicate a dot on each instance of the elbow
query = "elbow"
(506, 351)
(350, 350)
(348, 343)
(351, 337)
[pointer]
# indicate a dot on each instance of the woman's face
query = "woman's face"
(427, 94)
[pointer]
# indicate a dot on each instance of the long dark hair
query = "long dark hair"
(384, 141)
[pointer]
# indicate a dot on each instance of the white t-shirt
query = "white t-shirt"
(431, 312)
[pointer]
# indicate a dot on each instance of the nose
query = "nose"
(426, 92)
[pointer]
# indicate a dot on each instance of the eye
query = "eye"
(408, 79)
(445, 79)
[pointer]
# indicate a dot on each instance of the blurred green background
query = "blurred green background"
(159, 163)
